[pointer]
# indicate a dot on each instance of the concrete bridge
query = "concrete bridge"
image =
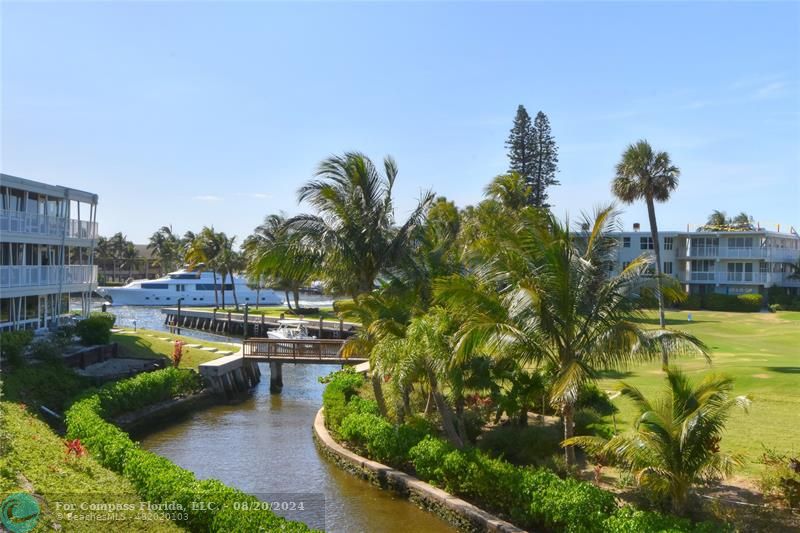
(239, 372)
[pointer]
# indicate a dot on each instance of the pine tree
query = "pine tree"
(545, 161)
(520, 145)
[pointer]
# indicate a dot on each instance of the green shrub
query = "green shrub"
(729, 302)
(629, 520)
(46, 350)
(427, 457)
(147, 389)
(94, 330)
(110, 318)
(13, 344)
(530, 445)
(693, 302)
(342, 385)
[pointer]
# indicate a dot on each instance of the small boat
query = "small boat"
(195, 289)
(290, 329)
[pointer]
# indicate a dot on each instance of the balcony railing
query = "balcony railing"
(46, 276)
(703, 276)
(35, 224)
(726, 252)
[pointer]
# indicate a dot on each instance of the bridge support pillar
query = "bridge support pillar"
(275, 377)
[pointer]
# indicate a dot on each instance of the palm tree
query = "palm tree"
(382, 314)
(541, 294)
(276, 254)
(675, 443)
(165, 248)
(354, 229)
(129, 256)
(651, 176)
(717, 219)
(203, 250)
(117, 245)
(228, 262)
(510, 189)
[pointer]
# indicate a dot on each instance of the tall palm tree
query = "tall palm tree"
(129, 256)
(354, 228)
(643, 174)
(276, 254)
(675, 443)
(203, 250)
(541, 294)
(117, 245)
(165, 248)
(228, 262)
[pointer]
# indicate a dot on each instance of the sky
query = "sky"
(214, 113)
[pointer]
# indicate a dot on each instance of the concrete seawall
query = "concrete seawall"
(459, 513)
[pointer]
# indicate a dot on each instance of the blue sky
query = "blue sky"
(188, 113)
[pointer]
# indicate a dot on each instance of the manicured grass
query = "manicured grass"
(33, 459)
(147, 343)
(762, 352)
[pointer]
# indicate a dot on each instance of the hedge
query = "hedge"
(750, 303)
(156, 478)
(96, 329)
(531, 498)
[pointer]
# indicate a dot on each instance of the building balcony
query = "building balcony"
(33, 224)
(52, 276)
(725, 252)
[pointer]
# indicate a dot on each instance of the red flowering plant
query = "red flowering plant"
(74, 447)
(177, 353)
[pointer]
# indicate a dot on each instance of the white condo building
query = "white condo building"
(47, 238)
(727, 262)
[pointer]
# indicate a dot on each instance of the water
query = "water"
(264, 447)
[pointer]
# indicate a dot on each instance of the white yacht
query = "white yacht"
(195, 288)
(290, 328)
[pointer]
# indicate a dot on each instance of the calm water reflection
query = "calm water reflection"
(263, 446)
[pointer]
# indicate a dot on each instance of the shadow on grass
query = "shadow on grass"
(672, 321)
(784, 369)
(614, 374)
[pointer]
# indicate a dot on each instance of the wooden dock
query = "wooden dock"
(231, 323)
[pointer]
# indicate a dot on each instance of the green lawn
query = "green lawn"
(762, 352)
(33, 459)
(147, 343)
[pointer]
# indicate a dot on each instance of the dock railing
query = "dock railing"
(297, 350)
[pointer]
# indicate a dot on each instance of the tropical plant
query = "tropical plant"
(675, 442)
(719, 221)
(541, 294)
(510, 190)
(275, 255)
(643, 174)
(202, 252)
(354, 229)
(129, 256)
(165, 248)
(228, 262)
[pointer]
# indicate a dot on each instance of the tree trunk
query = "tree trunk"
(296, 294)
(222, 289)
(258, 295)
(445, 412)
(233, 291)
(569, 431)
(216, 298)
(651, 213)
(428, 403)
(288, 301)
(377, 388)
(406, 391)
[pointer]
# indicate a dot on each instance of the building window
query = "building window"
(667, 267)
(740, 242)
(764, 267)
(645, 243)
(668, 243)
(626, 242)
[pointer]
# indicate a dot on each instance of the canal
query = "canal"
(264, 447)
